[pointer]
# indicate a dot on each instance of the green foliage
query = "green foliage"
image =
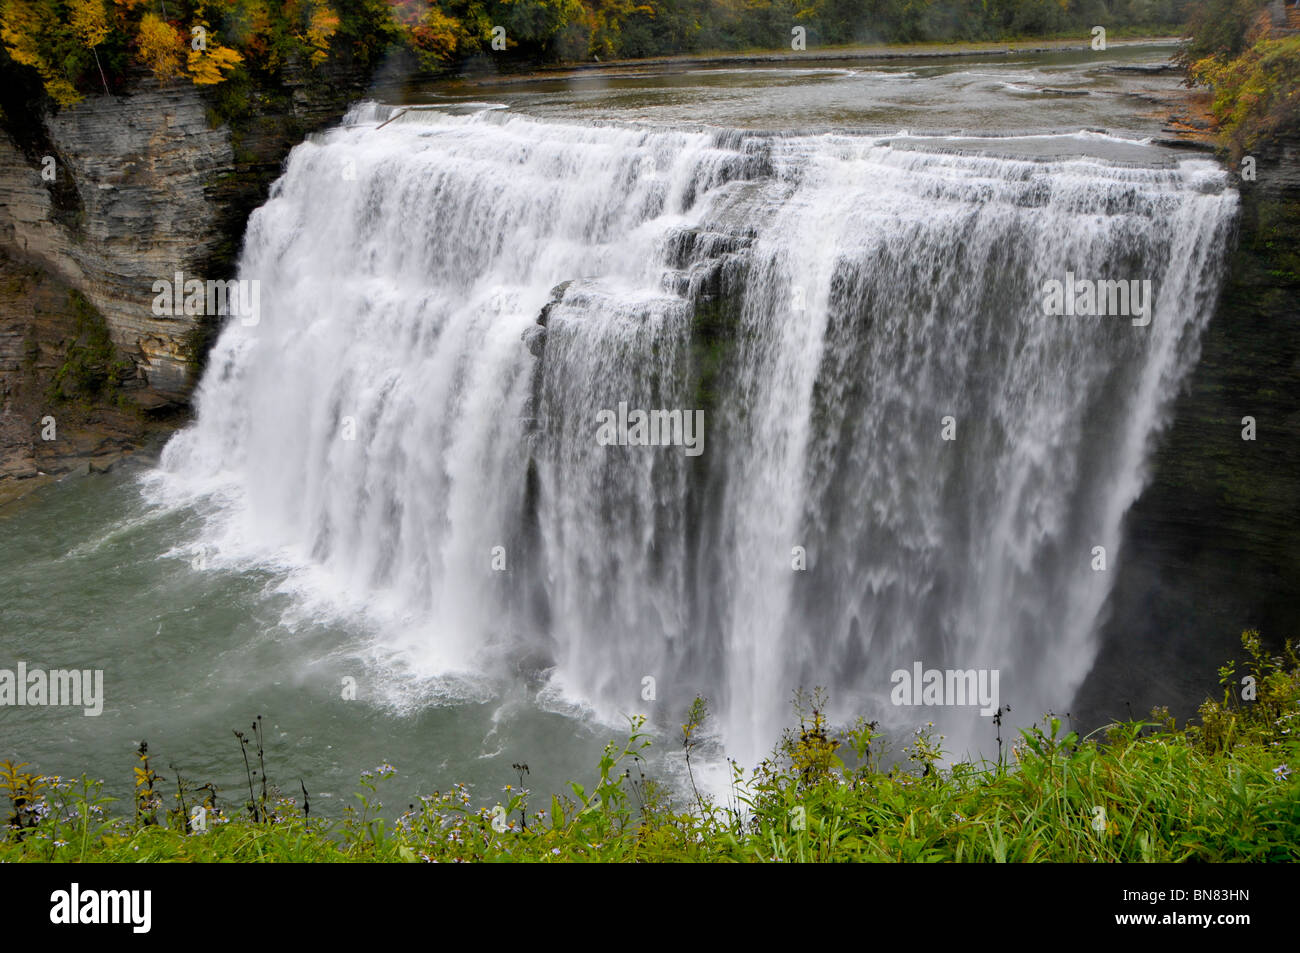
(1256, 94)
(1220, 28)
(1254, 71)
(1146, 791)
(91, 368)
(79, 45)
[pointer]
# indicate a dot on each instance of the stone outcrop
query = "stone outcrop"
(140, 165)
(1211, 547)
(146, 185)
(102, 200)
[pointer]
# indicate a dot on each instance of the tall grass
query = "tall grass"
(1220, 789)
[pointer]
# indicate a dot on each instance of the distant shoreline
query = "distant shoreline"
(866, 54)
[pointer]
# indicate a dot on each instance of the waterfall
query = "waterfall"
(903, 459)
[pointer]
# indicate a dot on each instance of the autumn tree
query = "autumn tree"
(90, 23)
(322, 24)
(160, 47)
(209, 63)
(436, 38)
(34, 36)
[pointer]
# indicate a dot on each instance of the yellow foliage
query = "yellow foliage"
(323, 25)
(90, 22)
(160, 47)
(1257, 94)
(210, 67)
(437, 35)
(21, 28)
(62, 91)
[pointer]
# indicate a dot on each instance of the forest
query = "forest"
(80, 46)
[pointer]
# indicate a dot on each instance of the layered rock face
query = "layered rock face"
(141, 166)
(97, 203)
(1211, 547)
(53, 343)
(119, 192)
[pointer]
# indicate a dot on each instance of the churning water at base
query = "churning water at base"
(448, 303)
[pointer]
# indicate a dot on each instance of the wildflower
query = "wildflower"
(555, 851)
(1282, 772)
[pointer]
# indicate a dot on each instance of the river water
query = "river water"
(393, 488)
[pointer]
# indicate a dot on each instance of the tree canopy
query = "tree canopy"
(76, 44)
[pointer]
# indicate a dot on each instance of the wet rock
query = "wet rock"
(535, 340)
(557, 295)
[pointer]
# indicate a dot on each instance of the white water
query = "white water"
(402, 267)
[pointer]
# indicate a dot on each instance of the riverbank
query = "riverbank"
(67, 407)
(1221, 789)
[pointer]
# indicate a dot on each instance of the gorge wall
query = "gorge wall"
(101, 200)
(1211, 547)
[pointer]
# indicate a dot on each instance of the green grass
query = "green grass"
(1220, 789)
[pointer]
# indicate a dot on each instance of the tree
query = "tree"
(160, 47)
(436, 37)
(33, 35)
(209, 66)
(90, 23)
(324, 23)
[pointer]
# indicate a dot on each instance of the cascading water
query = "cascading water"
(447, 304)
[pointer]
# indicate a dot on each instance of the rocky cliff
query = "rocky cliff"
(111, 195)
(140, 169)
(1212, 546)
